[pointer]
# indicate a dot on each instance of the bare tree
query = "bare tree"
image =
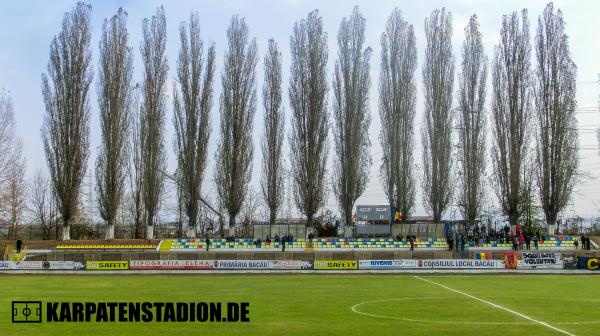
(511, 112)
(250, 212)
(307, 95)
(557, 138)
(13, 193)
(152, 118)
(114, 101)
(135, 170)
(397, 101)
(438, 80)
(471, 123)
(351, 83)
(272, 142)
(12, 168)
(8, 146)
(193, 102)
(41, 204)
(66, 126)
(238, 105)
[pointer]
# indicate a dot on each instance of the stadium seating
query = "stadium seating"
(11, 254)
(326, 244)
(318, 243)
(105, 246)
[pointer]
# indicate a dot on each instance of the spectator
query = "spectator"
(528, 241)
(283, 245)
(515, 243)
(207, 241)
(588, 243)
(399, 237)
(277, 238)
(412, 246)
(521, 240)
(576, 243)
(19, 244)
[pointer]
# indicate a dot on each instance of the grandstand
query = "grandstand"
(344, 244)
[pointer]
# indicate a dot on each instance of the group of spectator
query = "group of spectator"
(285, 238)
(585, 242)
(411, 239)
(521, 239)
(480, 235)
(460, 242)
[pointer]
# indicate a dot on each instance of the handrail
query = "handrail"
(8, 251)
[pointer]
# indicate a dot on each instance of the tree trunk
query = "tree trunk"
(191, 232)
(66, 230)
(150, 232)
(349, 224)
(550, 224)
(272, 217)
(110, 229)
(309, 220)
(512, 220)
(231, 221)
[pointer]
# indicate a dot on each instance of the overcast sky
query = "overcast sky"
(26, 29)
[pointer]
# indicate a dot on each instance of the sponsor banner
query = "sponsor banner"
(170, 264)
(241, 264)
(540, 260)
(336, 264)
(387, 264)
(569, 261)
(62, 265)
(291, 264)
(28, 265)
(510, 260)
(107, 265)
(588, 263)
(459, 263)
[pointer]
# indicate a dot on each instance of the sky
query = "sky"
(27, 28)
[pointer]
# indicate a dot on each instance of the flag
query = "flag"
(482, 256)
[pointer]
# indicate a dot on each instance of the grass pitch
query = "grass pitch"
(327, 304)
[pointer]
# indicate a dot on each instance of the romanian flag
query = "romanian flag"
(482, 256)
(395, 215)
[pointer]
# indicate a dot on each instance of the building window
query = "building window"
(381, 209)
(365, 209)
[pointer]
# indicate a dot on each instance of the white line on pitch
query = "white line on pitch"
(497, 306)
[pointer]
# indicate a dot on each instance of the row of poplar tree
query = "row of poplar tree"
(532, 116)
